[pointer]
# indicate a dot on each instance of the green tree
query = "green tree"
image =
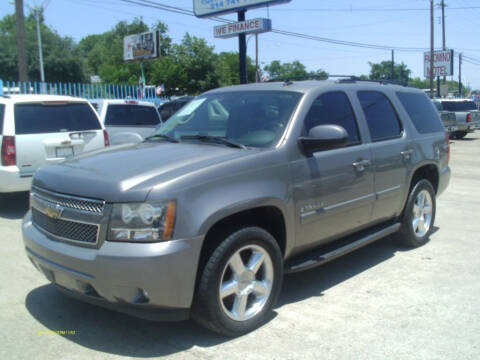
(61, 57)
(103, 53)
(383, 70)
(228, 69)
(294, 70)
(189, 68)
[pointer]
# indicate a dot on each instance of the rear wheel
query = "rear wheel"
(460, 134)
(419, 215)
(240, 283)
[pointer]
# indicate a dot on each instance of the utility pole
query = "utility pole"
(21, 58)
(443, 34)
(257, 75)
(431, 48)
(460, 74)
(242, 51)
(393, 65)
(39, 40)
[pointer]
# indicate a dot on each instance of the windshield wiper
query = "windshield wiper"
(162, 136)
(218, 139)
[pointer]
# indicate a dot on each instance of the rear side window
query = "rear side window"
(421, 112)
(466, 105)
(381, 117)
(40, 118)
(2, 112)
(333, 108)
(131, 115)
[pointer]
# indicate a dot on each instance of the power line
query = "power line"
(373, 9)
(175, 9)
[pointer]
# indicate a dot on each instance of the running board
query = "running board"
(314, 258)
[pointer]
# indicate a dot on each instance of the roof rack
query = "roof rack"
(354, 79)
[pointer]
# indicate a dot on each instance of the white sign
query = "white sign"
(140, 46)
(205, 8)
(243, 27)
(442, 63)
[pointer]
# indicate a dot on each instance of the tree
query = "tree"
(60, 54)
(425, 84)
(383, 70)
(294, 71)
(103, 53)
(228, 69)
(189, 68)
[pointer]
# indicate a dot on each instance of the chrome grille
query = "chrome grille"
(71, 202)
(68, 230)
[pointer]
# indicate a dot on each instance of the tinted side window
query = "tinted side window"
(39, 118)
(167, 110)
(2, 112)
(131, 115)
(144, 115)
(333, 108)
(421, 112)
(382, 119)
(466, 105)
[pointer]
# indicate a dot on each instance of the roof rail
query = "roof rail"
(354, 79)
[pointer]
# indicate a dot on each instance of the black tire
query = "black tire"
(207, 309)
(460, 134)
(407, 235)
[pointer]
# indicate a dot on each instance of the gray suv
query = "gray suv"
(242, 185)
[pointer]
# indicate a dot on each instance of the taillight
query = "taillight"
(106, 139)
(9, 155)
(469, 117)
(448, 146)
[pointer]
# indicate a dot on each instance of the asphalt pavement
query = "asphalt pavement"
(380, 302)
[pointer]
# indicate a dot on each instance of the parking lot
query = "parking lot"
(381, 302)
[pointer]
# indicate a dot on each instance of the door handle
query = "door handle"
(407, 154)
(361, 165)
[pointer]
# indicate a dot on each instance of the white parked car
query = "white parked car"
(43, 129)
(128, 120)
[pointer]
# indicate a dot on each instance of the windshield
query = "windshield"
(459, 105)
(253, 118)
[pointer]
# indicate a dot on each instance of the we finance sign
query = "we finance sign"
(442, 63)
(255, 26)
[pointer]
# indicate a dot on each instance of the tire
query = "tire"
(460, 134)
(258, 290)
(414, 234)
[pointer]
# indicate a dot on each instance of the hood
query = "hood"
(128, 172)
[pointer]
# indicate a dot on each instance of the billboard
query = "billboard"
(255, 26)
(206, 8)
(442, 63)
(140, 46)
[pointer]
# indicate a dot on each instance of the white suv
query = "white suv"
(128, 120)
(43, 129)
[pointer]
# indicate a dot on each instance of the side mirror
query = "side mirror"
(323, 137)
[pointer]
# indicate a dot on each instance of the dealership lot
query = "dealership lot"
(381, 302)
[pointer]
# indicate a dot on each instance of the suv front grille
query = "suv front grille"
(72, 202)
(68, 230)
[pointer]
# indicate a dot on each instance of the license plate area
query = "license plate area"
(64, 152)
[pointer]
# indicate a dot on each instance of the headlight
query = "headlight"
(142, 222)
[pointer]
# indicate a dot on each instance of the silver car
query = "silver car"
(240, 186)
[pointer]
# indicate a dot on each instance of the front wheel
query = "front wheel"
(419, 215)
(240, 283)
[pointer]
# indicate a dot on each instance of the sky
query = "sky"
(380, 22)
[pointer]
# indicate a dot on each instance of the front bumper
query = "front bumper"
(151, 280)
(12, 181)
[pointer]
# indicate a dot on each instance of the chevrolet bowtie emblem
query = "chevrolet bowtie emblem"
(54, 212)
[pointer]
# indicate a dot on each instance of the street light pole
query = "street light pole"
(39, 40)
(431, 49)
(257, 75)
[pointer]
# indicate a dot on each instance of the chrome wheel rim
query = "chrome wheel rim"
(422, 213)
(246, 283)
